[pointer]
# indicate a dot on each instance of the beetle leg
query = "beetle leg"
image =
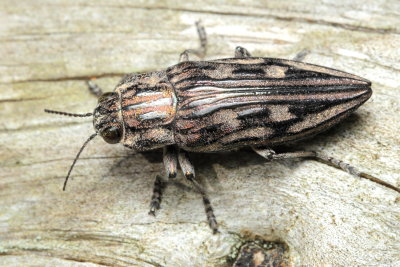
(270, 154)
(266, 153)
(301, 55)
(188, 171)
(159, 186)
(241, 52)
(170, 159)
(201, 52)
(94, 88)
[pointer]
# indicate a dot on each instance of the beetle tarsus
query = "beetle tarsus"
(212, 221)
(188, 171)
(158, 189)
(352, 170)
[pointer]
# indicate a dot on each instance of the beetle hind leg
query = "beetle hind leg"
(271, 155)
(201, 52)
(188, 171)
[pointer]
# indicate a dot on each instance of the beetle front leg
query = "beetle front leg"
(94, 89)
(270, 154)
(201, 52)
(241, 52)
(170, 159)
(188, 171)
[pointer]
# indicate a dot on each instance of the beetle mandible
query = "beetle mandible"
(225, 104)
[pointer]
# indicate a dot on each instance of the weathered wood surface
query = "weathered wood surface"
(325, 216)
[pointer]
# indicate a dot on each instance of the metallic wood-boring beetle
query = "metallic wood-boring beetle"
(225, 104)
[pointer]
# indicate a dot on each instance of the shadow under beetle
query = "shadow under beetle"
(225, 104)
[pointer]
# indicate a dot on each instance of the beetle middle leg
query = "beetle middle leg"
(201, 52)
(271, 155)
(188, 171)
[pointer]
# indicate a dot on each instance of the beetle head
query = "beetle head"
(106, 120)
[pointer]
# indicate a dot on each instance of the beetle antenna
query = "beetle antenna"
(68, 114)
(76, 158)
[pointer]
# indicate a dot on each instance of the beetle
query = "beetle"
(225, 104)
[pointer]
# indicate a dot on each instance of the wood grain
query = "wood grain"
(326, 217)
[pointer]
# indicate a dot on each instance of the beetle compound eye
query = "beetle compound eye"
(106, 96)
(111, 135)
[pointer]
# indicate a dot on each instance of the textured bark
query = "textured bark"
(324, 216)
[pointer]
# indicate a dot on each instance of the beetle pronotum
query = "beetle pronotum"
(225, 104)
